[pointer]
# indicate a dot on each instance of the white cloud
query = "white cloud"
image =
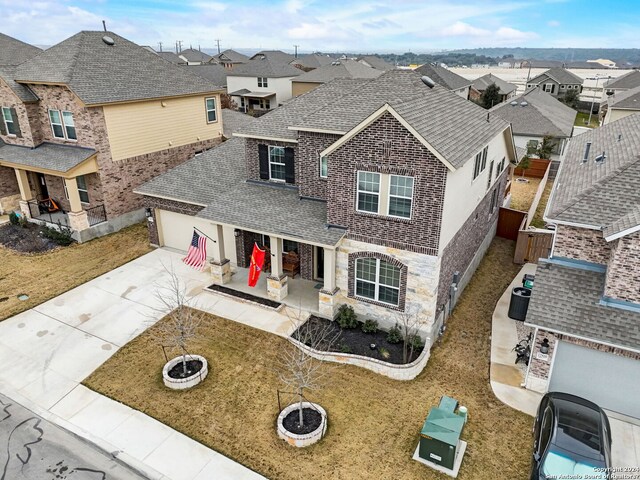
(511, 34)
(464, 29)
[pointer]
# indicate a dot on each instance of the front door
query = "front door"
(42, 186)
(319, 254)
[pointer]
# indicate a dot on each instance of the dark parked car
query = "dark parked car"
(571, 439)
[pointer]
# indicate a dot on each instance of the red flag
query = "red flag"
(255, 267)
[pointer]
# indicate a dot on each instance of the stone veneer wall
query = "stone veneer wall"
(623, 272)
(169, 205)
(420, 277)
(8, 182)
(581, 244)
(310, 144)
(386, 146)
(253, 159)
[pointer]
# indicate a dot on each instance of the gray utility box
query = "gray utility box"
(440, 434)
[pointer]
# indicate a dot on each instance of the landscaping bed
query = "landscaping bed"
(27, 239)
(311, 420)
(357, 342)
(244, 296)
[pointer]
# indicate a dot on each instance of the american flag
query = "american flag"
(197, 254)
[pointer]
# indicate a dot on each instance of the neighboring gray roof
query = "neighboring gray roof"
(60, 158)
(560, 75)
(171, 57)
(216, 74)
(232, 121)
(24, 93)
(232, 56)
(99, 73)
(542, 115)
(277, 56)
(627, 99)
(268, 67)
(230, 199)
(483, 82)
(193, 55)
(583, 65)
(444, 77)
(566, 298)
(376, 62)
(313, 60)
(626, 81)
(543, 63)
(599, 194)
(240, 92)
(339, 69)
(14, 51)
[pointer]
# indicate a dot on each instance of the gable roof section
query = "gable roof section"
(171, 57)
(444, 77)
(24, 93)
(627, 99)
(483, 82)
(602, 195)
(376, 62)
(14, 51)
(339, 69)
(214, 73)
(49, 156)
(560, 75)
(232, 121)
(193, 55)
(277, 56)
(626, 81)
(99, 73)
(268, 67)
(313, 60)
(542, 115)
(232, 56)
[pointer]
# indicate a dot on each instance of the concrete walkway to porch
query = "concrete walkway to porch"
(51, 348)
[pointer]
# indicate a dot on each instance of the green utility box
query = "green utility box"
(440, 434)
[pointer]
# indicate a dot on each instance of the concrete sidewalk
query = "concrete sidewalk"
(54, 346)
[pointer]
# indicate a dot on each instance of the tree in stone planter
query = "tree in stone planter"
(410, 322)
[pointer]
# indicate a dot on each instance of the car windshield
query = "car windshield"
(579, 436)
(559, 464)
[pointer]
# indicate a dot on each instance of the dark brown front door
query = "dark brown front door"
(42, 186)
(319, 263)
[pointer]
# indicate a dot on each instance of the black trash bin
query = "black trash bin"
(519, 303)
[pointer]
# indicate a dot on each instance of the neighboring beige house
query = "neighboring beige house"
(479, 85)
(622, 104)
(586, 298)
(556, 82)
(344, 68)
(445, 77)
(91, 118)
(604, 62)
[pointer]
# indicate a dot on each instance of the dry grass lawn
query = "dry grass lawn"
(522, 194)
(544, 199)
(373, 421)
(43, 276)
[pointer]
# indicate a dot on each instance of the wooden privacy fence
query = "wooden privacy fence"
(538, 196)
(532, 245)
(537, 168)
(509, 222)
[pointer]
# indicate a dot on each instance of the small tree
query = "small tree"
(491, 96)
(571, 98)
(524, 164)
(546, 147)
(182, 320)
(409, 323)
(227, 102)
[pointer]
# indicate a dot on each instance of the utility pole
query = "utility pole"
(178, 46)
(104, 25)
(296, 47)
(218, 43)
(160, 45)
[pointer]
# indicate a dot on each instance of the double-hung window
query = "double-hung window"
(9, 122)
(276, 163)
(400, 196)
(69, 125)
(385, 194)
(262, 82)
(324, 167)
(480, 162)
(377, 280)
(211, 110)
(368, 192)
(62, 124)
(83, 191)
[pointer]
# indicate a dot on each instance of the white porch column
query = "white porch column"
(327, 297)
(220, 265)
(77, 216)
(25, 191)
(277, 282)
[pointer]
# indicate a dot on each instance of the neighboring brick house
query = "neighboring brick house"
(91, 118)
(556, 82)
(388, 191)
(586, 297)
(446, 78)
(506, 90)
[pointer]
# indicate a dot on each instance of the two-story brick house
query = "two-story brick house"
(90, 119)
(586, 297)
(387, 189)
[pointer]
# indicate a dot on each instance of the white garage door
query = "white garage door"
(611, 381)
(177, 231)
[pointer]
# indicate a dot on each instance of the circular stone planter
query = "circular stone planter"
(187, 382)
(308, 438)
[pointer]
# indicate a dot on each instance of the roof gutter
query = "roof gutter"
(622, 233)
(259, 137)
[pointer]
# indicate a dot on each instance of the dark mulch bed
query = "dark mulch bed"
(311, 420)
(27, 239)
(245, 296)
(357, 342)
(193, 367)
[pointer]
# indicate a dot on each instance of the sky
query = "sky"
(357, 26)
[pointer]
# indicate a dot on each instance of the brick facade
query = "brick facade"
(8, 182)
(310, 144)
(169, 205)
(387, 147)
(623, 271)
(253, 160)
(402, 295)
(9, 99)
(305, 251)
(581, 244)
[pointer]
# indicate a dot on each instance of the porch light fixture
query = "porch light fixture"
(236, 233)
(544, 348)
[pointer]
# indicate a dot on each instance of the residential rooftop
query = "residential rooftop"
(443, 76)
(268, 66)
(24, 93)
(50, 156)
(277, 56)
(214, 73)
(560, 75)
(339, 69)
(14, 51)
(171, 57)
(232, 56)
(233, 121)
(483, 82)
(626, 81)
(313, 60)
(376, 62)
(626, 99)
(193, 55)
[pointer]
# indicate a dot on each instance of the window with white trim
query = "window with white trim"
(500, 167)
(210, 104)
(549, 87)
(377, 280)
(368, 192)
(262, 82)
(69, 125)
(489, 177)
(480, 162)
(324, 167)
(62, 124)
(385, 194)
(265, 103)
(8, 121)
(83, 191)
(276, 163)
(400, 196)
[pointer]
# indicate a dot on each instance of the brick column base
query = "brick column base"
(328, 303)
(221, 272)
(24, 208)
(277, 287)
(78, 221)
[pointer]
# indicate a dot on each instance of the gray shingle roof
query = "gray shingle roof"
(376, 62)
(99, 73)
(626, 81)
(560, 75)
(193, 55)
(627, 99)
(630, 220)
(24, 93)
(60, 158)
(483, 82)
(313, 60)
(444, 77)
(277, 56)
(565, 299)
(543, 115)
(232, 56)
(14, 51)
(339, 69)
(233, 121)
(268, 66)
(216, 74)
(171, 57)
(229, 199)
(599, 194)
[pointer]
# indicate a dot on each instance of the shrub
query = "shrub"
(384, 353)
(14, 218)
(345, 348)
(394, 335)
(23, 221)
(61, 237)
(416, 342)
(347, 317)
(370, 326)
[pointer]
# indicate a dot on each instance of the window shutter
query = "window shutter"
(289, 166)
(263, 154)
(16, 124)
(3, 129)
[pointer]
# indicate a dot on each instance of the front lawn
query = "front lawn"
(43, 276)
(373, 421)
(582, 120)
